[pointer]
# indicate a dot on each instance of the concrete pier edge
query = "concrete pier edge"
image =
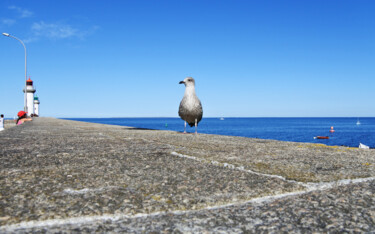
(59, 175)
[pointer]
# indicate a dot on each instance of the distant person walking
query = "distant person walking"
(1, 122)
(22, 117)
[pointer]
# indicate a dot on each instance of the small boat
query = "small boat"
(358, 123)
(322, 137)
(221, 118)
(363, 146)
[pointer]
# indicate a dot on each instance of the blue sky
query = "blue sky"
(119, 58)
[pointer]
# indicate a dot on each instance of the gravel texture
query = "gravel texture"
(59, 175)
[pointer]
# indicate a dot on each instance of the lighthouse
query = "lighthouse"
(36, 106)
(30, 97)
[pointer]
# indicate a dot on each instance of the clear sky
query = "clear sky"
(122, 58)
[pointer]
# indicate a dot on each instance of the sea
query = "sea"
(347, 131)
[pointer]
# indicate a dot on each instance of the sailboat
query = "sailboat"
(358, 123)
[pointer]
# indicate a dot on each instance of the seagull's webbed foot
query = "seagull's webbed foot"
(196, 127)
(185, 127)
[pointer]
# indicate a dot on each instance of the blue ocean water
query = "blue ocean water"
(347, 132)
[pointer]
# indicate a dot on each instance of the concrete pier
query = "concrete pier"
(68, 176)
(9, 123)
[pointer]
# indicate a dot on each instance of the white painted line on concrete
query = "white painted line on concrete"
(116, 217)
(260, 200)
(87, 190)
(230, 166)
(309, 186)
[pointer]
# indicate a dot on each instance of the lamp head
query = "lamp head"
(6, 34)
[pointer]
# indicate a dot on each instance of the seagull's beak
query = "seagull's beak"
(182, 82)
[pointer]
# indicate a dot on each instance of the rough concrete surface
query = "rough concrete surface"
(9, 123)
(68, 176)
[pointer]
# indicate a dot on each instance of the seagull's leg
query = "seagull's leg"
(196, 127)
(185, 127)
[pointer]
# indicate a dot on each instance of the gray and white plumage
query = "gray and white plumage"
(190, 110)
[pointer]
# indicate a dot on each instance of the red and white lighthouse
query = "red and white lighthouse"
(30, 97)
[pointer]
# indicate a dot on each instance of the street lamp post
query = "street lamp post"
(8, 35)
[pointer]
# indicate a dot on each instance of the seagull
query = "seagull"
(190, 106)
